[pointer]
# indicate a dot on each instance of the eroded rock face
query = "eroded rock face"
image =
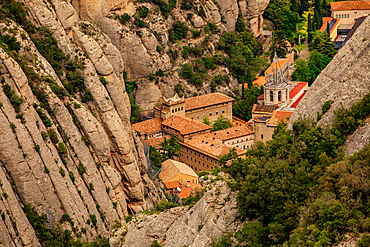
(66, 156)
(214, 215)
(344, 81)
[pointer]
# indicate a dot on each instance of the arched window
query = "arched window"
(271, 96)
(279, 96)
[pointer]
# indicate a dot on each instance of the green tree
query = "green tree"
(319, 15)
(322, 44)
(304, 6)
(240, 24)
(328, 28)
(221, 123)
(301, 72)
(178, 31)
(243, 108)
(156, 158)
(294, 6)
(170, 147)
(206, 120)
(300, 47)
(249, 78)
(279, 44)
(309, 28)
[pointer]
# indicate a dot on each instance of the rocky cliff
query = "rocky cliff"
(65, 152)
(138, 46)
(344, 82)
(210, 218)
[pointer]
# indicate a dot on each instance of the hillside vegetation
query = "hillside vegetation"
(300, 190)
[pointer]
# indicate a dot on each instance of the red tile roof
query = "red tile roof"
(155, 142)
(231, 133)
(206, 100)
(186, 191)
(172, 185)
(185, 125)
(295, 104)
(261, 97)
(324, 26)
(279, 116)
(148, 126)
(350, 5)
(297, 89)
(212, 146)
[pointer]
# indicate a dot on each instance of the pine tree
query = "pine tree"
(243, 90)
(309, 28)
(294, 7)
(304, 6)
(319, 15)
(328, 28)
(249, 78)
(316, 21)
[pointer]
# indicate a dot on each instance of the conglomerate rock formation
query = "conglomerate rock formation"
(344, 82)
(60, 155)
(138, 46)
(215, 214)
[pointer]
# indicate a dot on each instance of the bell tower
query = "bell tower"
(276, 89)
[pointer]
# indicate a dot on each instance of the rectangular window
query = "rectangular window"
(216, 112)
(355, 13)
(210, 113)
(261, 136)
(223, 111)
(197, 117)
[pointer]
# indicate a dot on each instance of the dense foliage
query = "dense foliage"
(322, 51)
(56, 236)
(301, 189)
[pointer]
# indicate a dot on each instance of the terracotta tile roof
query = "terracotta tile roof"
(154, 142)
(350, 5)
(231, 133)
(172, 185)
(158, 107)
(186, 191)
(261, 97)
(185, 125)
(206, 100)
(325, 20)
(281, 63)
(148, 126)
(264, 108)
(297, 89)
(259, 81)
(212, 146)
(295, 104)
(279, 116)
(172, 168)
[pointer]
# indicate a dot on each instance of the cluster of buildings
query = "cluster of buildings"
(346, 16)
(201, 149)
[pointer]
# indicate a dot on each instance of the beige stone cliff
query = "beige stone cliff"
(103, 170)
